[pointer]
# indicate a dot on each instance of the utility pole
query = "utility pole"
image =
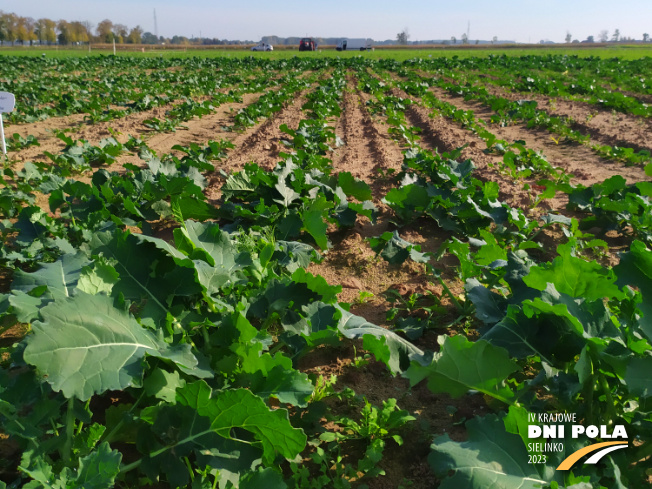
(155, 26)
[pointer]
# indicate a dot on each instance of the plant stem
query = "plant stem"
(107, 438)
(610, 402)
(70, 430)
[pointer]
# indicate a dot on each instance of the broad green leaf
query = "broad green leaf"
(267, 478)
(490, 457)
(575, 277)
(314, 223)
(25, 306)
(395, 250)
(86, 346)
(143, 276)
(60, 277)
(354, 188)
(317, 284)
(99, 279)
(163, 385)
(99, 469)
(638, 379)
(463, 365)
(395, 351)
(192, 208)
(490, 307)
(239, 408)
(238, 184)
(635, 269)
(409, 201)
(288, 195)
(268, 376)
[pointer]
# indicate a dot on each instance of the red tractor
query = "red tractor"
(307, 44)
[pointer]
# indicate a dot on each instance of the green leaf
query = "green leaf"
(87, 346)
(490, 457)
(639, 382)
(574, 276)
(288, 195)
(192, 208)
(239, 408)
(99, 279)
(354, 188)
(269, 376)
(409, 201)
(99, 469)
(294, 255)
(490, 307)
(60, 278)
(395, 351)
(395, 250)
(163, 385)
(141, 280)
(635, 269)
(317, 284)
(314, 223)
(267, 478)
(463, 365)
(213, 253)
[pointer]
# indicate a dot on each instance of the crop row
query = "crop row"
(507, 112)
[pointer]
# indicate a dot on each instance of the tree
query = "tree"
(403, 36)
(494, 40)
(45, 30)
(616, 35)
(134, 35)
(646, 37)
(465, 38)
(568, 37)
(604, 35)
(104, 31)
(25, 29)
(454, 40)
(65, 34)
(148, 38)
(120, 31)
(79, 31)
(590, 39)
(8, 27)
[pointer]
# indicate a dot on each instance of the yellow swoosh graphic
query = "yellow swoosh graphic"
(574, 457)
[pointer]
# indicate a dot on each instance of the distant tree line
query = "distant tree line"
(15, 29)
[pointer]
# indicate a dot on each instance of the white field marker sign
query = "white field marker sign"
(7, 103)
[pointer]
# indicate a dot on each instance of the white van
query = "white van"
(354, 45)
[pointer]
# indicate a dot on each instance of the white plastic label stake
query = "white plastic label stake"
(2, 130)
(7, 103)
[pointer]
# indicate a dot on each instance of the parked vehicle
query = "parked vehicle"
(354, 44)
(307, 44)
(263, 46)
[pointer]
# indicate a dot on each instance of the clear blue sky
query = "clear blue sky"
(518, 20)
